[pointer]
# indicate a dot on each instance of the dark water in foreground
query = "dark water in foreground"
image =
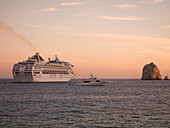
(121, 103)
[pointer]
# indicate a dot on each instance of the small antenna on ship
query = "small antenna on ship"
(56, 58)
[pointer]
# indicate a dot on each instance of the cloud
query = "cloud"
(120, 36)
(157, 1)
(34, 11)
(50, 9)
(151, 1)
(167, 26)
(115, 28)
(151, 43)
(126, 18)
(71, 4)
(84, 14)
(33, 25)
(59, 28)
(125, 6)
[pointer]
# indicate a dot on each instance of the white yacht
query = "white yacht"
(92, 81)
(35, 69)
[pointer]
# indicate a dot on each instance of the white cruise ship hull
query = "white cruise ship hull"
(43, 79)
(42, 73)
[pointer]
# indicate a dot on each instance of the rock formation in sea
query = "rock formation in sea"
(166, 78)
(151, 72)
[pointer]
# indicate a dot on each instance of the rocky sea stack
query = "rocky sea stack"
(151, 72)
(166, 78)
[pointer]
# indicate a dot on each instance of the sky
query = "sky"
(107, 38)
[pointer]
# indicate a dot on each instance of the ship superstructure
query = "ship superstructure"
(35, 69)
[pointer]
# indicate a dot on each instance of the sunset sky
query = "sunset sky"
(108, 38)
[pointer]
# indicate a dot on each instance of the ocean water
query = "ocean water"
(119, 104)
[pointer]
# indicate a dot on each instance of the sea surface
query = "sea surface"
(120, 104)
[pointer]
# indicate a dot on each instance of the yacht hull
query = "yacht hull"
(92, 84)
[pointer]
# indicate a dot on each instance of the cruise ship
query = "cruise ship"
(35, 69)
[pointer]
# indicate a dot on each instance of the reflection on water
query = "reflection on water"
(121, 103)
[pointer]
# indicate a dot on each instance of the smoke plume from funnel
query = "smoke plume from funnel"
(7, 28)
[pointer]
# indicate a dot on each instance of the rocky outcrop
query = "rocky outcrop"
(151, 72)
(166, 78)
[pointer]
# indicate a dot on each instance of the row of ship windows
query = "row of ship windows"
(24, 72)
(44, 72)
(29, 75)
(17, 68)
(22, 76)
(54, 72)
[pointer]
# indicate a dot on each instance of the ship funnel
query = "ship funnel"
(37, 53)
